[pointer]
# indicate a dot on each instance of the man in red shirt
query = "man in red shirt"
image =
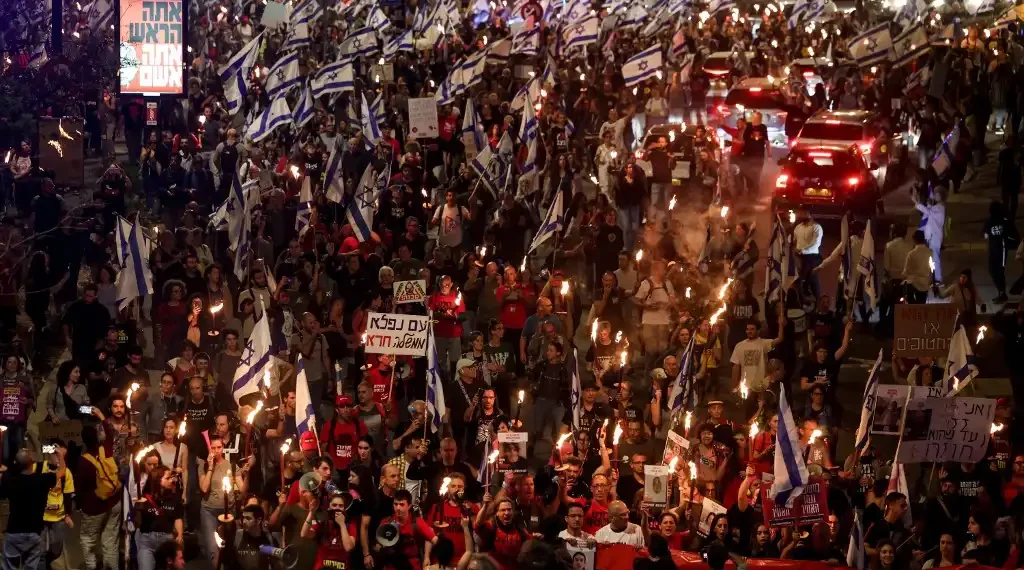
(412, 532)
(501, 537)
(596, 515)
(451, 510)
(447, 304)
(381, 379)
(340, 435)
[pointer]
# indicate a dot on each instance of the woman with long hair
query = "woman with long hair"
(761, 543)
(945, 555)
(168, 449)
(69, 395)
(367, 456)
(335, 536)
(106, 289)
(159, 515)
(886, 556)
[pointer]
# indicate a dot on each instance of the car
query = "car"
(828, 180)
(863, 128)
(808, 71)
(760, 95)
(680, 144)
(718, 66)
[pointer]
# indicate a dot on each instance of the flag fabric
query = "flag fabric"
(982, 7)
(773, 266)
(121, 233)
(298, 36)
(305, 109)
(401, 42)
(306, 11)
(481, 164)
(471, 124)
(634, 17)
(101, 14)
(334, 181)
(255, 360)
(377, 19)
(305, 206)
(576, 11)
(855, 557)
(584, 32)
(848, 277)
(716, 6)
(911, 12)
(334, 78)
(552, 223)
(219, 218)
(499, 51)
(371, 130)
(360, 208)
(682, 392)
(136, 278)
(241, 63)
(305, 415)
(642, 65)
(283, 76)
(240, 205)
(435, 388)
(575, 399)
(361, 42)
(944, 157)
(529, 128)
(790, 470)
(872, 46)
(526, 41)
(910, 44)
(38, 57)
(867, 410)
(960, 365)
(235, 92)
(275, 115)
(866, 266)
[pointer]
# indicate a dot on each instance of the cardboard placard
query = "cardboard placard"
(386, 72)
(923, 330)
(656, 489)
(388, 333)
(944, 429)
(808, 508)
(423, 117)
(70, 430)
(709, 509)
(151, 113)
(675, 446)
(413, 291)
(890, 400)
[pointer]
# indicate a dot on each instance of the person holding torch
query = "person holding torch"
(217, 488)
(447, 515)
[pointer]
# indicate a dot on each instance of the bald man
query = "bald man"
(619, 530)
(383, 507)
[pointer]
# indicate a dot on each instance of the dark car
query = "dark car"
(828, 180)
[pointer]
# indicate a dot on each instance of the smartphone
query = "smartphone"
(48, 449)
(85, 410)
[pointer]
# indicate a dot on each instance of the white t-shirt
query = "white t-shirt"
(450, 230)
(650, 293)
(627, 279)
(588, 554)
(750, 355)
(632, 536)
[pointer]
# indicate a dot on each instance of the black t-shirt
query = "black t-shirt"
(884, 530)
(627, 486)
(661, 165)
(755, 141)
(745, 521)
(823, 326)
(47, 209)
(827, 371)
(159, 514)
(27, 495)
(228, 160)
(88, 322)
(200, 418)
(607, 244)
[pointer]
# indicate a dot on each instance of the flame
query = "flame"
(216, 308)
(724, 289)
(792, 217)
(613, 154)
(295, 171)
(593, 331)
(981, 334)
(483, 251)
(744, 391)
(815, 435)
(458, 299)
(266, 378)
(202, 119)
(56, 145)
(286, 446)
(639, 255)
(7, 157)
(725, 211)
(218, 540)
(688, 420)
(565, 288)
(593, 179)
(753, 430)
(60, 129)
(522, 394)
(718, 313)
(693, 471)
(492, 457)
(617, 435)
(618, 337)
(252, 415)
(522, 266)
(225, 484)
(687, 292)
(562, 439)
(444, 486)
(181, 429)
(658, 74)
(623, 356)
(996, 428)
(672, 464)
(931, 264)
(142, 453)
(672, 202)
(363, 339)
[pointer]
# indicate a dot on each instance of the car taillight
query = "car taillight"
(793, 141)
(808, 74)
(865, 147)
(853, 181)
(723, 109)
(782, 181)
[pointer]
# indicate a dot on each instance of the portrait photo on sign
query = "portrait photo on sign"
(916, 424)
(675, 446)
(890, 401)
(582, 559)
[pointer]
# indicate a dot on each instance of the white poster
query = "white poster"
(708, 511)
(512, 456)
(944, 429)
(656, 485)
(388, 333)
(675, 446)
(582, 558)
(889, 402)
(414, 291)
(423, 117)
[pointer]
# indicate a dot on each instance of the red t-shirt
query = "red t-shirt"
(380, 382)
(448, 325)
(595, 517)
(411, 535)
(330, 552)
(341, 438)
(448, 126)
(513, 313)
(506, 544)
(452, 514)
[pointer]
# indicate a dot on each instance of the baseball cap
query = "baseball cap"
(658, 374)
(307, 442)
(343, 400)
(464, 362)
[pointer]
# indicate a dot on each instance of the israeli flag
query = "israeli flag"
(481, 164)
(529, 167)
(435, 387)
(101, 15)
(809, 11)
(982, 7)
(848, 277)
(584, 32)
(575, 11)
(334, 181)
(305, 415)
(529, 128)
(425, 19)
(773, 266)
(911, 12)
(401, 42)
(704, 258)
(471, 124)
(241, 63)
(499, 52)
(275, 115)
(552, 223)
(634, 17)
(855, 557)
(371, 131)
(943, 159)
(305, 206)
(377, 106)
(531, 90)
(642, 65)
(575, 399)
(304, 111)
(361, 42)
(867, 410)
(235, 92)
(335, 78)
(38, 57)
(910, 44)
(682, 391)
(377, 19)
(872, 46)
(298, 36)
(960, 366)
(284, 75)
(219, 218)
(136, 278)
(121, 233)
(255, 360)
(790, 470)
(526, 41)
(359, 212)
(307, 11)
(717, 6)
(658, 23)
(866, 266)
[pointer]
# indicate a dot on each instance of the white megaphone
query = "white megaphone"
(387, 534)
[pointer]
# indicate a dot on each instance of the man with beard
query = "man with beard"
(413, 532)
(405, 266)
(122, 432)
(312, 346)
(592, 415)
(248, 542)
(85, 323)
(450, 510)
(383, 506)
(340, 434)
(413, 237)
(499, 534)
(450, 466)
(944, 514)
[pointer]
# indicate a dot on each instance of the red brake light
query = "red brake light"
(820, 154)
(755, 89)
(716, 71)
(782, 181)
(853, 181)
(808, 74)
(832, 122)
(866, 147)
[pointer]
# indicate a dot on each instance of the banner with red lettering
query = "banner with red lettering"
(808, 508)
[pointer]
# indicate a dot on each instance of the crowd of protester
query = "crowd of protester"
(624, 297)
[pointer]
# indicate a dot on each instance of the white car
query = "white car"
(680, 145)
(757, 95)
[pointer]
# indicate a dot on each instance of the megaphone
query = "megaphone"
(387, 534)
(403, 371)
(310, 481)
(289, 556)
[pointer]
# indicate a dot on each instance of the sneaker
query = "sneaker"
(1001, 298)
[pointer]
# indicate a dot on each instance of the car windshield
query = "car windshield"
(833, 131)
(683, 144)
(820, 161)
(718, 64)
(755, 98)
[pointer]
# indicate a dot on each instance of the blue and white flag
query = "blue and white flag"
(575, 399)
(284, 75)
(255, 360)
(275, 115)
(642, 65)
(435, 387)
(855, 557)
(135, 279)
(582, 33)
(866, 266)
(38, 57)
(529, 128)
(298, 36)
(305, 206)
(305, 414)
(122, 231)
(575, 12)
(360, 42)
(847, 276)
(872, 47)
(911, 12)
(371, 130)
(529, 91)
(682, 392)
(811, 11)
(552, 223)
(489, 178)
(499, 51)
(526, 41)
(633, 18)
(219, 218)
(101, 15)
(401, 42)
(716, 6)
(982, 7)
(773, 265)
(910, 44)
(359, 212)
(304, 109)
(334, 180)
(377, 19)
(241, 63)
(790, 470)
(235, 92)
(306, 11)
(377, 105)
(334, 78)
(867, 411)
(960, 365)
(426, 18)
(471, 124)
(943, 158)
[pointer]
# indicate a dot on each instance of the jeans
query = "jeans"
(23, 549)
(54, 535)
(449, 351)
(147, 543)
(629, 221)
(546, 414)
(209, 523)
(660, 195)
(102, 529)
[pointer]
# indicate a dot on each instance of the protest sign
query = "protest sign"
(656, 485)
(889, 402)
(808, 508)
(675, 446)
(388, 333)
(423, 117)
(69, 430)
(512, 458)
(944, 429)
(923, 330)
(414, 291)
(709, 509)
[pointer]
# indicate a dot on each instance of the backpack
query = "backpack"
(107, 481)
